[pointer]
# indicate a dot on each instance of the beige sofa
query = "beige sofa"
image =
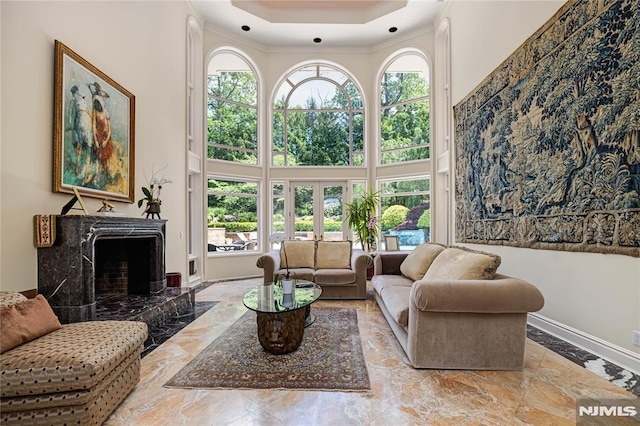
(72, 374)
(450, 310)
(335, 266)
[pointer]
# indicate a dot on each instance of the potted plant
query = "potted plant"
(362, 219)
(152, 194)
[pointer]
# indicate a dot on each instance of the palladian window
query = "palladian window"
(318, 119)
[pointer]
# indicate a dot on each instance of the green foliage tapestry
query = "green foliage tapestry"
(547, 146)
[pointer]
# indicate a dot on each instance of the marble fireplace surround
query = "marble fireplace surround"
(66, 271)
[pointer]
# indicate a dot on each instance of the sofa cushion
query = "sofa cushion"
(333, 255)
(24, 321)
(380, 282)
(303, 274)
(8, 298)
(396, 299)
(334, 276)
(461, 263)
(298, 254)
(76, 357)
(79, 397)
(415, 265)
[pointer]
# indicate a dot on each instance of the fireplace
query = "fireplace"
(95, 255)
(123, 265)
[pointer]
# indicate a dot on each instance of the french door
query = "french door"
(317, 210)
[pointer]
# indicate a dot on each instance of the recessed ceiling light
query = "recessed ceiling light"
(393, 29)
(245, 28)
(317, 40)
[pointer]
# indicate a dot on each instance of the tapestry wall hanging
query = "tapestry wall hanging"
(547, 146)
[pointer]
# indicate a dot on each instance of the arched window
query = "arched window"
(404, 110)
(318, 119)
(232, 109)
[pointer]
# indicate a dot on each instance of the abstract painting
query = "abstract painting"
(93, 144)
(547, 146)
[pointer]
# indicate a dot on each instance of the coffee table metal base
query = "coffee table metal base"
(280, 333)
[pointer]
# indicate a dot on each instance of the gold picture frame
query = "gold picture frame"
(93, 135)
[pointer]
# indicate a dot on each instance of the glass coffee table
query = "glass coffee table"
(282, 318)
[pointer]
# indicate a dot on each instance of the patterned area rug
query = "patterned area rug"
(329, 358)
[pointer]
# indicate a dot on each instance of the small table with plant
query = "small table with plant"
(282, 317)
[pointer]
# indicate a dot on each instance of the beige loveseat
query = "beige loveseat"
(71, 374)
(450, 310)
(335, 266)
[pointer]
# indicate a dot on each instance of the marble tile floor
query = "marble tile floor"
(165, 313)
(161, 333)
(614, 373)
(544, 393)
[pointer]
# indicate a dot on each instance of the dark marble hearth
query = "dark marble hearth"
(159, 335)
(165, 313)
(153, 309)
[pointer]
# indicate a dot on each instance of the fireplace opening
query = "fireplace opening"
(123, 265)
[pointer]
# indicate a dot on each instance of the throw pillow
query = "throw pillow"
(26, 321)
(333, 255)
(297, 254)
(461, 263)
(416, 264)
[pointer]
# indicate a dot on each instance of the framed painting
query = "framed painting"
(94, 122)
(391, 243)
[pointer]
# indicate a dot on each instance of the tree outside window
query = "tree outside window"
(405, 208)
(318, 119)
(232, 112)
(404, 113)
(232, 215)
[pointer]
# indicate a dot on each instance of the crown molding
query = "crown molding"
(307, 48)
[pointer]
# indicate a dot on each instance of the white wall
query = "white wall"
(140, 45)
(596, 294)
(272, 64)
(0, 146)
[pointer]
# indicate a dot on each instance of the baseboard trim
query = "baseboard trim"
(223, 280)
(612, 353)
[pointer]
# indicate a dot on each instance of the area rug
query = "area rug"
(329, 358)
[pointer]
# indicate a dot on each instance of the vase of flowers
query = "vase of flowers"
(287, 281)
(372, 234)
(362, 219)
(152, 194)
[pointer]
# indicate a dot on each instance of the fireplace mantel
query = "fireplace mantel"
(66, 271)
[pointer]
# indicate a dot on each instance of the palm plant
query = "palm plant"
(361, 218)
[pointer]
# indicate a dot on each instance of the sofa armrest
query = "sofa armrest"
(360, 260)
(501, 295)
(270, 263)
(388, 263)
